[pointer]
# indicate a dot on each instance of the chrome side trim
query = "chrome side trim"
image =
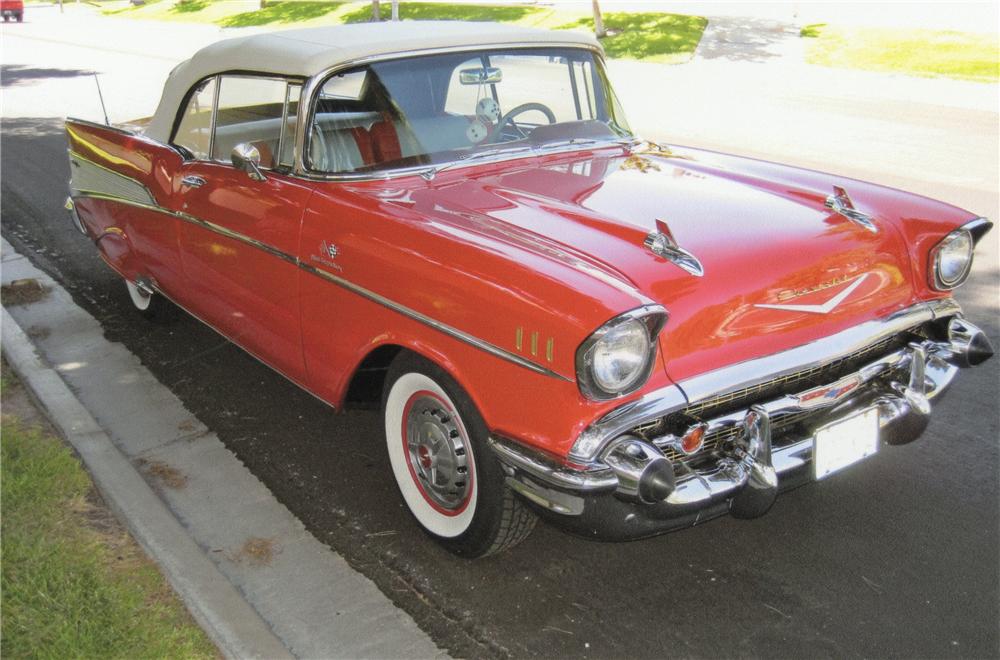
(481, 344)
(88, 176)
(451, 331)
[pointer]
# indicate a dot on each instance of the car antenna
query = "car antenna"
(101, 96)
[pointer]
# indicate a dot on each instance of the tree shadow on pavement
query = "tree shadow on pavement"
(743, 39)
(19, 74)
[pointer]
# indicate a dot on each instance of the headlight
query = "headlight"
(618, 358)
(951, 260)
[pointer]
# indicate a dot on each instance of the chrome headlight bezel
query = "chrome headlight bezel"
(938, 254)
(652, 319)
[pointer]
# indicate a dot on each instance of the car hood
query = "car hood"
(761, 241)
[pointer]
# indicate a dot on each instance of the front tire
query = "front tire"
(447, 474)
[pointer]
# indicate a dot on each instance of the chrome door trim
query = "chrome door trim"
(444, 328)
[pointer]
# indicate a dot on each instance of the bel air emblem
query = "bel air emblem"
(826, 307)
(329, 249)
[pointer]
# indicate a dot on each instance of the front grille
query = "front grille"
(793, 383)
(782, 425)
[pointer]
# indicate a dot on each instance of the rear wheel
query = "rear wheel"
(446, 473)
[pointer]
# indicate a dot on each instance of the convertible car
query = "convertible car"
(557, 317)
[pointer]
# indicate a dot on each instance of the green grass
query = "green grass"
(649, 36)
(74, 584)
(432, 11)
(917, 52)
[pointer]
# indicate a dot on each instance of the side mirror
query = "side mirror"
(246, 158)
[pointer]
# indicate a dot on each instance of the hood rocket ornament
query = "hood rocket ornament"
(661, 242)
(839, 202)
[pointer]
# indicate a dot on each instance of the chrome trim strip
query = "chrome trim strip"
(350, 286)
(438, 325)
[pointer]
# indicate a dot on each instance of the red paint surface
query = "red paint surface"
(550, 245)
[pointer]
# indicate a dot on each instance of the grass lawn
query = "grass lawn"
(961, 55)
(75, 584)
(649, 36)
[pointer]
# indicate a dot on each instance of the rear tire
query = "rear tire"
(446, 473)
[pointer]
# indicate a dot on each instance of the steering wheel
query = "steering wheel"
(517, 110)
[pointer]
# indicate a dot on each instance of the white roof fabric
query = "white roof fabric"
(309, 51)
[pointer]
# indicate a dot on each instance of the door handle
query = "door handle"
(193, 181)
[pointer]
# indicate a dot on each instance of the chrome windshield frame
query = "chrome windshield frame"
(315, 83)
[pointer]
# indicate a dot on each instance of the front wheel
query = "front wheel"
(446, 473)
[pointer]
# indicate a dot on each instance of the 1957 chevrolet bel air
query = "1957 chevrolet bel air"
(557, 317)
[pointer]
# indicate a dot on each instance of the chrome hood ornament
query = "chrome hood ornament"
(826, 307)
(661, 242)
(839, 202)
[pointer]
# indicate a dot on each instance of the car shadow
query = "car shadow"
(12, 75)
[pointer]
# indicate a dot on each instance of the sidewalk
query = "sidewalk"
(253, 577)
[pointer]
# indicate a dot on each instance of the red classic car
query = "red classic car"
(557, 317)
(12, 9)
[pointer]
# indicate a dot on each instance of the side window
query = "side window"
(194, 132)
(250, 111)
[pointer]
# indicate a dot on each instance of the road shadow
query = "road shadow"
(12, 75)
(744, 39)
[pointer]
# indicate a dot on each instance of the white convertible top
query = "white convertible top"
(309, 51)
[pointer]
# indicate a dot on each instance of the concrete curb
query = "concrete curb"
(215, 603)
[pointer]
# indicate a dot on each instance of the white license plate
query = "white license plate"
(844, 443)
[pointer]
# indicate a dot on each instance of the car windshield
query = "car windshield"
(441, 108)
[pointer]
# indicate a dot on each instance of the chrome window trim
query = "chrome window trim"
(444, 328)
(315, 82)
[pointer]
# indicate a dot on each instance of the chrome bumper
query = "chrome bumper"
(745, 479)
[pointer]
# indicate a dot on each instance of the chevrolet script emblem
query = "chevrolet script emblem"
(826, 307)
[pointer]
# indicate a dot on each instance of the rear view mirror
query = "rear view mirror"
(483, 76)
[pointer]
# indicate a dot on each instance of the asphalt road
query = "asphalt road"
(895, 557)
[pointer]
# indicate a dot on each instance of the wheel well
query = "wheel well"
(365, 388)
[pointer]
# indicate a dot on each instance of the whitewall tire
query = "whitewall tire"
(439, 457)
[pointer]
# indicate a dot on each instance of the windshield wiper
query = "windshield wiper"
(432, 172)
